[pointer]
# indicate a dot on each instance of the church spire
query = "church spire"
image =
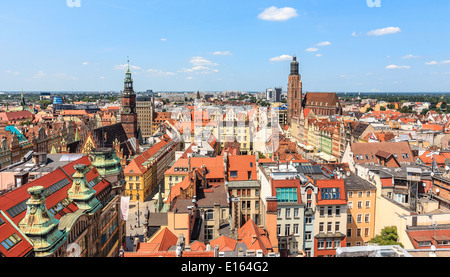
(128, 83)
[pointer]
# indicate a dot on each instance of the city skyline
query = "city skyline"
(215, 46)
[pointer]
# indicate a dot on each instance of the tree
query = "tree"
(388, 236)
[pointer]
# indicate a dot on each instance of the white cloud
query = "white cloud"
(12, 72)
(39, 75)
(222, 53)
(384, 31)
(65, 76)
(196, 61)
(125, 66)
(85, 63)
(163, 39)
(201, 66)
(393, 66)
(344, 76)
(324, 43)
(278, 14)
(189, 78)
(436, 62)
(318, 55)
(281, 58)
(312, 49)
(159, 72)
(102, 77)
(410, 57)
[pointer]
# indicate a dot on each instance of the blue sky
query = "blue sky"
(215, 45)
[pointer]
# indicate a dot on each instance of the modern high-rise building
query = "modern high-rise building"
(274, 95)
(144, 110)
(294, 91)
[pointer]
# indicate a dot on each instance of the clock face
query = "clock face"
(127, 110)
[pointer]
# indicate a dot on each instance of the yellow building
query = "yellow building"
(361, 197)
(141, 174)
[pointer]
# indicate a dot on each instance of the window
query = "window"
(308, 220)
(349, 233)
(320, 244)
(209, 232)
(330, 211)
(321, 227)
(287, 195)
(288, 212)
(368, 193)
(11, 241)
(322, 211)
(349, 218)
(308, 236)
(278, 229)
(233, 174)
(367, 218)
(350, 194)
(209, 215)
(360, 193)
(329, 244)
(295, 212)
(287, 229)
(368, 204)
(366, 232)
(295, 229)
(359, 218)
(359, 204)
(329, 226)
(336, 226)
(350, 205)
(137, 178)
(330, 193)
(279, 213)
(424, 243)
(337, 243)
(358, 232)
(338, 210)
(443, 242)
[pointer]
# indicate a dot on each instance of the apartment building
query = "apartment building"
(330, 217)
(361, 197)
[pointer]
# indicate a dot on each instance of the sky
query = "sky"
(218, 45)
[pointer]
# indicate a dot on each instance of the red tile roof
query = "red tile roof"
(224, 243)
(331, 183)
(161, 241)
(19, 195)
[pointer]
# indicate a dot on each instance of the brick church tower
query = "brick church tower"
(128, 116)
(294, 91)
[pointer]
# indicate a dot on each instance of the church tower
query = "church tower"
(128, 116)
(294, 91)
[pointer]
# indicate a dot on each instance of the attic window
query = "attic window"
(11, 241)
(233, 174)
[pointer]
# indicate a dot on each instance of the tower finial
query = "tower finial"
(128, 61)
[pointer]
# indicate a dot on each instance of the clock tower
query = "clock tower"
(128, 115)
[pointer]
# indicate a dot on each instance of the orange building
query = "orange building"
(361, 199)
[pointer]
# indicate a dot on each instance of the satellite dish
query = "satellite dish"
(437, 190)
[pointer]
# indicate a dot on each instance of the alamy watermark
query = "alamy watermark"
(73, 3)
(374, 3)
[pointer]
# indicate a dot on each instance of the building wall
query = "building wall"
(288, 218)
(356, 212)
(325, 220)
